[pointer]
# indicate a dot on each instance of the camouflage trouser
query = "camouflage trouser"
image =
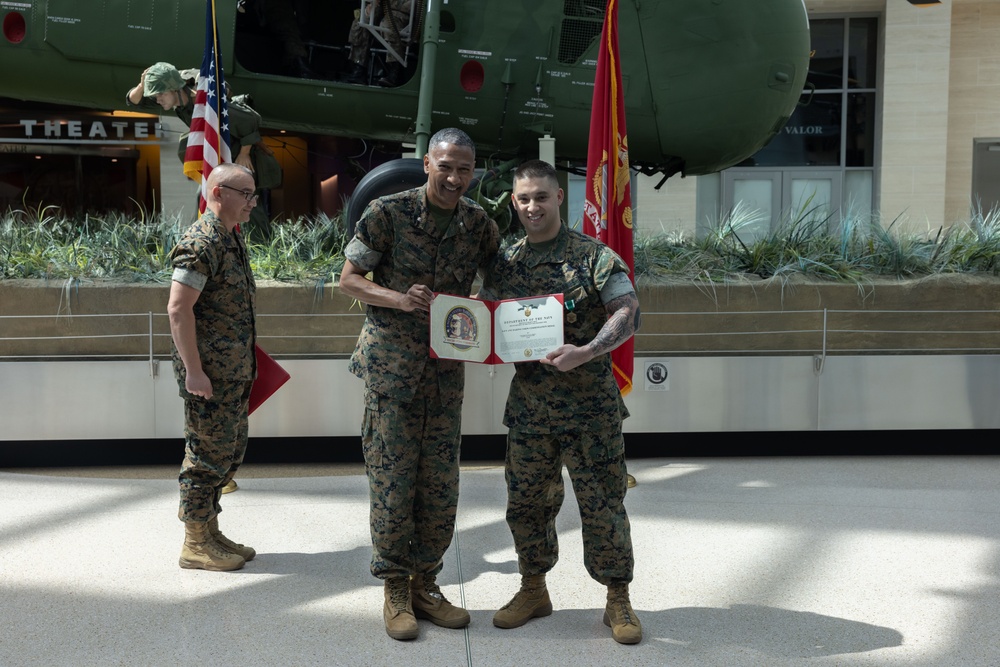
(362, 42)
(596, 464)
(411, 455)
(215, 440)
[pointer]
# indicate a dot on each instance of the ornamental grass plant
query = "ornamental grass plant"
(857, 249)
(42, 243)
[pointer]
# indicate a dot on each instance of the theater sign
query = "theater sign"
(80, 160)
(79, 128)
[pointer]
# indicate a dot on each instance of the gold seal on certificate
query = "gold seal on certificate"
(495, 332)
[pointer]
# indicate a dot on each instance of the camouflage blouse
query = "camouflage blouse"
(215, 262)
(543, 399)
(398, 241)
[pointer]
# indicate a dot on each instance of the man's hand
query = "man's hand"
(354, 283)
(623, 322)
(197, 383)
(418, 297)
(243, 159)
(567, 357)
(135, 95)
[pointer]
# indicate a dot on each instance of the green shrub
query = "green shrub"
(42, 243)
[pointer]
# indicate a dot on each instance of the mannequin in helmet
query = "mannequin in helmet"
(163, 87)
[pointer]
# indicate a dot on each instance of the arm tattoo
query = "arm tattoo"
(623, 322)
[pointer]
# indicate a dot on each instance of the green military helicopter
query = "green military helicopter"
(706, 83)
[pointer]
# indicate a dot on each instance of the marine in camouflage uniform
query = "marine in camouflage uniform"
(215, 262)
(573, 417)
(161, 88)
(211, 266)
(560, 414)
(413, 403)
(412, 425)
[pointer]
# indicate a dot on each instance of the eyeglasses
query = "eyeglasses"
(249, 196)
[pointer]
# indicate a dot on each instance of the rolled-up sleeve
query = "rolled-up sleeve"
(190, 278)
(361, 255)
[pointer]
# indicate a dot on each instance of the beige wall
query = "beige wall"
(916, 47)
(669, 210)
(974, 93)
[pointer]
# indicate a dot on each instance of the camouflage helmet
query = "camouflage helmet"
(162, 78)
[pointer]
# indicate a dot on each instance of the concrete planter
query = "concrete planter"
(115, 319)
(935, 314)
(939, 313)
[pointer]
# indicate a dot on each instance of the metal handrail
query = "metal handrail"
(819, 340)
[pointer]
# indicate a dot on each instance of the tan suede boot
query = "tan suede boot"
(532, 601)
(620, 617)
(430, 603)
(246, 552)
(400, 623)
(202, 552)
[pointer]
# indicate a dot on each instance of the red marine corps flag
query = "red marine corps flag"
(208, 140)
(608, 209)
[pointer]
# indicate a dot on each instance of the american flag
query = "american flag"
(208, 140)
(608, 207)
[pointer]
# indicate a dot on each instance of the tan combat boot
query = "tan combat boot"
(232, 547)
(620, 617)
(400, 623)
(430, 603)
(202, 552)
(532, 601)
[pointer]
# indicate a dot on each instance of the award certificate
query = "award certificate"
(527, 329)
(495, 332)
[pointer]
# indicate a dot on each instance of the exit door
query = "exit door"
(986, 174)
(771, 198)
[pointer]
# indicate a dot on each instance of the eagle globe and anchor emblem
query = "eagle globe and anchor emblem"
(461, 329)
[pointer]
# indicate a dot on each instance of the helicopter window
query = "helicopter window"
(576, 37)
(447, 21)
(353, 41)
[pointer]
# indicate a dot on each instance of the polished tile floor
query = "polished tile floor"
(797, 561)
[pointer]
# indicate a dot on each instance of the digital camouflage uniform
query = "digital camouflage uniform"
(214, 261)
(413, 403)
(572, 418)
